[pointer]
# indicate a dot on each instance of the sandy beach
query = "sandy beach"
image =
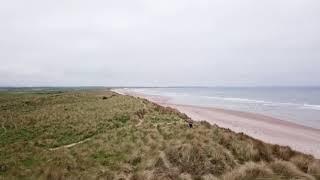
(265, 128)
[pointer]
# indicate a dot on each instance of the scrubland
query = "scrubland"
(104, 135)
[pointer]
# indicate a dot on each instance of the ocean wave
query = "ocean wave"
(246, 100)
(311, 106)
(237, 99)
(266, 103)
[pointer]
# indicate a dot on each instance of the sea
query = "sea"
(300, 105)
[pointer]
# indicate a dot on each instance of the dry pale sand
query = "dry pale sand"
(265, 128)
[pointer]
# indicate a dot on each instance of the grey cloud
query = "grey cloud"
(168, 42)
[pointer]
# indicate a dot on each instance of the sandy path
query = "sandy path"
(265, 128)
(69, 145)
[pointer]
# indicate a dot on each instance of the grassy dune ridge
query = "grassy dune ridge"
(104, 135)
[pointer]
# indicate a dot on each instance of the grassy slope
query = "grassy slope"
(129, 138)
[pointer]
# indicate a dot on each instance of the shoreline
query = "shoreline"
(268, 129)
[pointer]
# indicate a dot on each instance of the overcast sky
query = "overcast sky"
(159, 42)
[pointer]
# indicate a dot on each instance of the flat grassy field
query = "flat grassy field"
(102, 135)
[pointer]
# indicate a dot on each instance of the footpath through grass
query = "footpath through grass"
(103, 135)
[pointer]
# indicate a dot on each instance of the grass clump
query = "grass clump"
(288, 171)
(314, 169)
(249, 171)
(199, 159)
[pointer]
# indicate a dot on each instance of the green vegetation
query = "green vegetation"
(103, 135)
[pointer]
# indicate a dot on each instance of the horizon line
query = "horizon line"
(179, 86)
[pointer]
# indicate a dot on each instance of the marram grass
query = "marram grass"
(103, 135)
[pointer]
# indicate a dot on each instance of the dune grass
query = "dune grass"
(122, 137)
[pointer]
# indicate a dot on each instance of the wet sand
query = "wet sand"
(265, 128)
